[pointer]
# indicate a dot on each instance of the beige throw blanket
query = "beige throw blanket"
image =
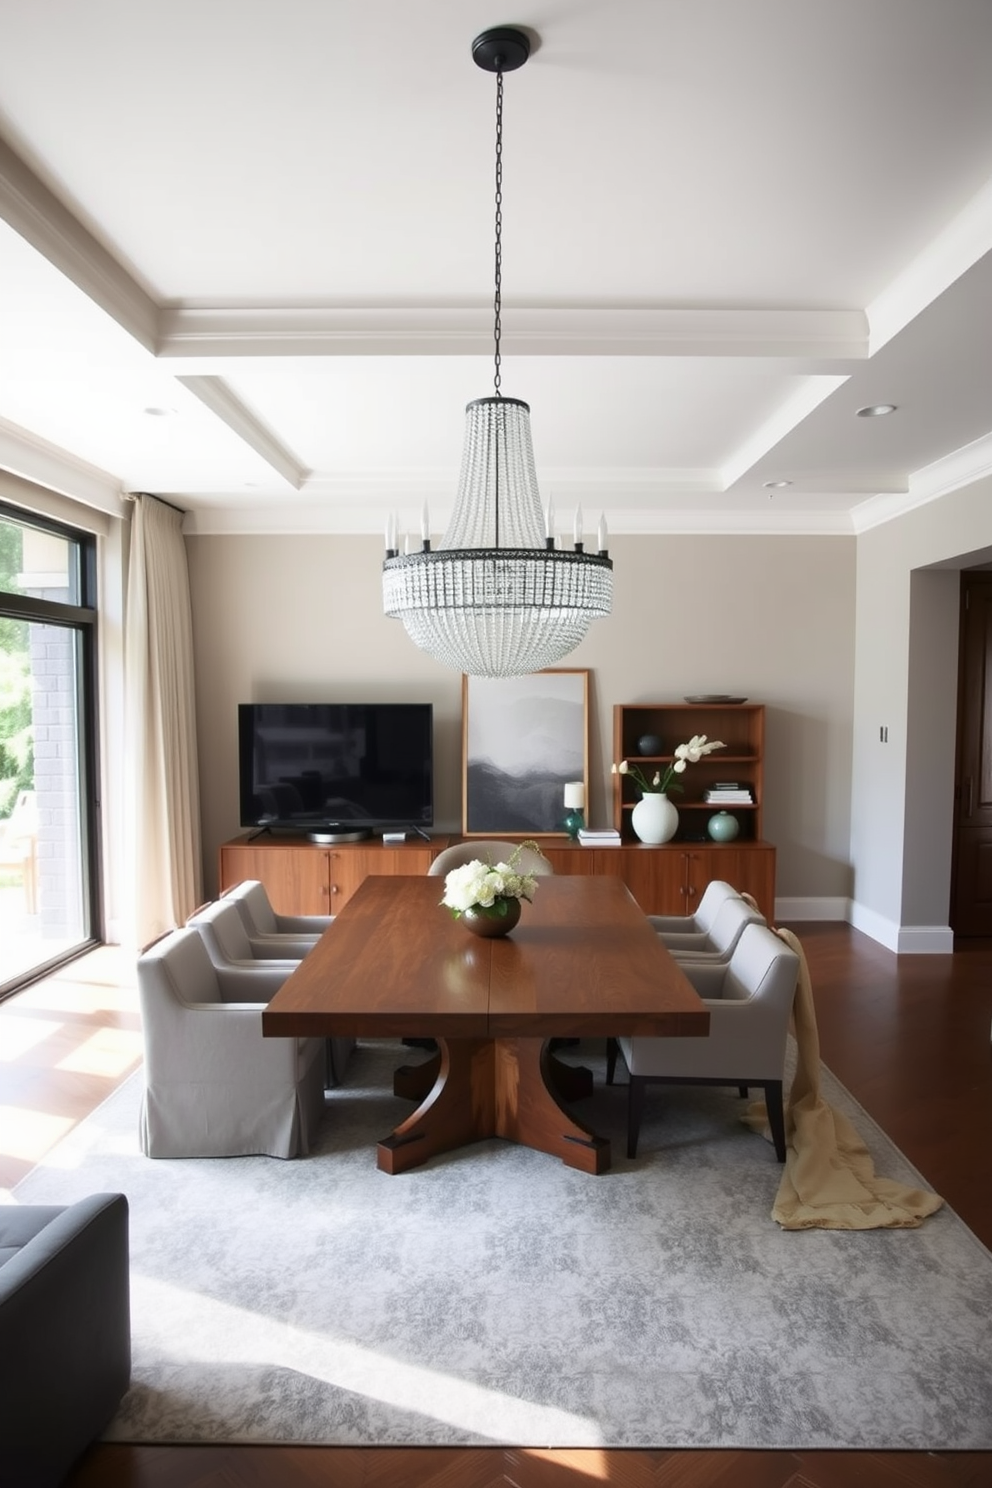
(829, 1180)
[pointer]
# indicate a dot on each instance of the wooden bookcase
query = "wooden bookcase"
(740, 726)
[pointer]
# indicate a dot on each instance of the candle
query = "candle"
(578, 526)
(602, 533)
(425, 524)
(549, 522)
(575, 795)
(391, 533)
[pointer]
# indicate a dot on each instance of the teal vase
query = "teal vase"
(723, 827)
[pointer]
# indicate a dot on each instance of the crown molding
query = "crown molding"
(966, 239)
(962, 468)
(37, 215)
(44, 464)
(215, 394)
(820, 337)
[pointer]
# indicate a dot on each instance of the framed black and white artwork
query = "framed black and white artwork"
(523, 740)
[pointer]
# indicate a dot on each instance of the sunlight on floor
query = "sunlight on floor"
(18, 1035)
(217, 1333)
(110, 1052)
(27, 1135)
(587, 1461)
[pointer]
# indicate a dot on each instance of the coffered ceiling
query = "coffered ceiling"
(246, 256)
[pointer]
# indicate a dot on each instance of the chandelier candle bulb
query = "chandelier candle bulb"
(601, 536)
(575, 795)
(577, 531)
(549, 525)
(425, 529)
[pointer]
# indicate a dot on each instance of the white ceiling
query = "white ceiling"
(727, 226)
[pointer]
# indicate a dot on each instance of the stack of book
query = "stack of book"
(728, 792)
(607, 837)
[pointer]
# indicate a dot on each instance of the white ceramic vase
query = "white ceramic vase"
(654, 818)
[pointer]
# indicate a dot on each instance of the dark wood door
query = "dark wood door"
(971, 894)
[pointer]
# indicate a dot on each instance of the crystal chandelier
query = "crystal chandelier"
(498, 598)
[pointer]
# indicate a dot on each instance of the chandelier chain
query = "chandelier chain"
(498, 296)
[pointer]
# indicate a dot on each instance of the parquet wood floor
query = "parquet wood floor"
(907, 1035)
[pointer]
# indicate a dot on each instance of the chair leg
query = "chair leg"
(612, 1050)
(635, 1110)
(776, 1116)
(742, 1091)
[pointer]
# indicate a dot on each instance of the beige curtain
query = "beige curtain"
(163, 815)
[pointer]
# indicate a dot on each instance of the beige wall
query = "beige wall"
(300, 618)
(905, 677)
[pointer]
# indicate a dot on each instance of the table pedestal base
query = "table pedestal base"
(492, 1087)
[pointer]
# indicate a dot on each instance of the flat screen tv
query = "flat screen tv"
(336, 770)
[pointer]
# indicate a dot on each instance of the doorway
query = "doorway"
(971, 878)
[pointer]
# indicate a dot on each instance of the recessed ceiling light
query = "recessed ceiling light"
(775, 485)
(876, 410)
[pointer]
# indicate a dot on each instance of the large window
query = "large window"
(48, 906)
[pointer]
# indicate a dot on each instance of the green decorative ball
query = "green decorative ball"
(723, 827)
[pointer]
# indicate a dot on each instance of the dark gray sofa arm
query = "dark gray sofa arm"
(65, 1333)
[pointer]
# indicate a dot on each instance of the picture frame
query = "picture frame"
(523, 740)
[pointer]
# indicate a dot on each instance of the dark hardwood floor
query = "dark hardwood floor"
(908, 1036)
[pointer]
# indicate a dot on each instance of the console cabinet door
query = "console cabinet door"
(750, 868)
(654, 875)
(295, 879)
(359, 863)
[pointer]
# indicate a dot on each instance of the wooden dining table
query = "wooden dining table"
(582, 963)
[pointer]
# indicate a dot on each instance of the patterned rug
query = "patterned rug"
(497, 1297)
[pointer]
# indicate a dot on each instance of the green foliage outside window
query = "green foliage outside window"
(16, 731)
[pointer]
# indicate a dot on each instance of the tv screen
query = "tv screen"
(356, 766)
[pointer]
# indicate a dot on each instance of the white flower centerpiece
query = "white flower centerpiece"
(486, 896)
(655, 818)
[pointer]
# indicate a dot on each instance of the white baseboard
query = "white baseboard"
(907, 940)
(926, 940)
(810, 908)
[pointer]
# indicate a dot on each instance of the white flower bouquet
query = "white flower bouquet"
(488, 886)
(666, 780)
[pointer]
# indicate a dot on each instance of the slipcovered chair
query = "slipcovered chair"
(273, 934)
(223, 930)
(528, 861)
(750, 1001)
(65, 1333)
(214, 1087)
(674, 929)
(230, 948)
(720, 941)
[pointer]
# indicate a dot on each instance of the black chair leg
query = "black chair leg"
(742, 1091)
(635, 1110)
(776, 1116)
(612, 1050)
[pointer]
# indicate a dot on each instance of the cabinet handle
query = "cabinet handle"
(970, 787)
(335, 889)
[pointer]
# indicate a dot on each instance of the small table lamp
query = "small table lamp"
(575, 800)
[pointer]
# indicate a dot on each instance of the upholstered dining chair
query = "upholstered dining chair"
(528, 861)
(699, 923)
(229, 944)
(749, 999)
(720, 941)
(269, 932)
(214, 1087)
(230, 948)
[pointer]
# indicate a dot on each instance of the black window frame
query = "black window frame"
(83, 619)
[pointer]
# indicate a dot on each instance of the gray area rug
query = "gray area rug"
(497, 1297)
